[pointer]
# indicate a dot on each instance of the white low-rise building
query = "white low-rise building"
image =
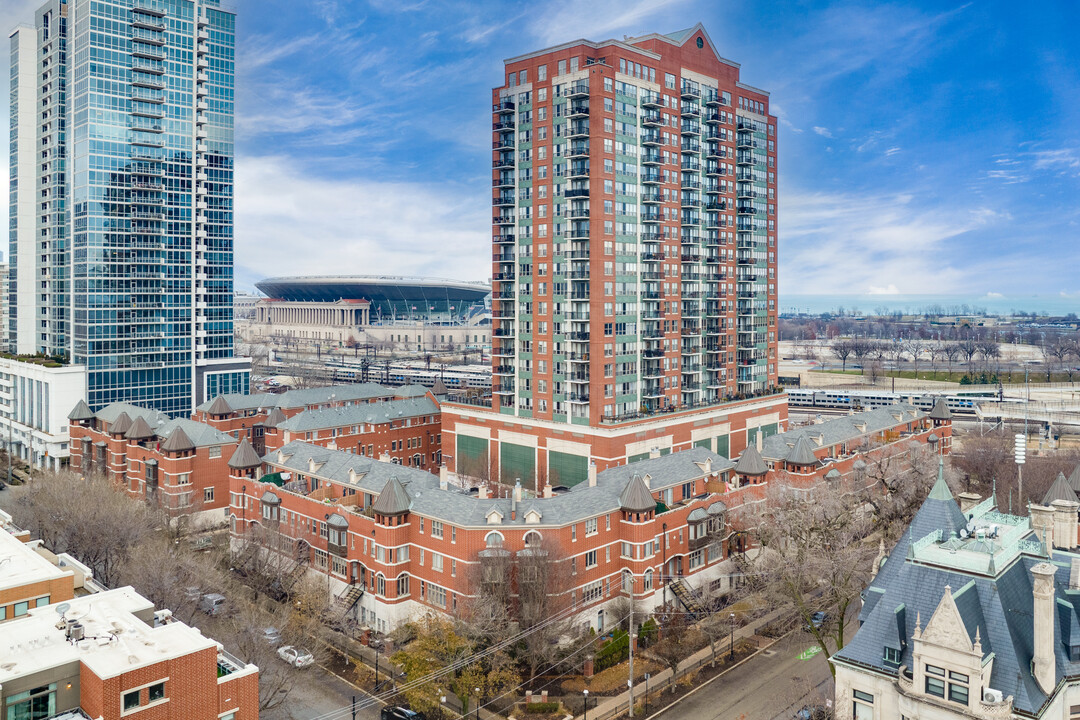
(36, 395)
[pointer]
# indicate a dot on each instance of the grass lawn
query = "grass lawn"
(1016, 376)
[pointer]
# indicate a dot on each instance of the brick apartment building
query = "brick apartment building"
(395, 541)
(182, 465)
(249, 415)
(71, 649)
(178, 464)
(634, 260)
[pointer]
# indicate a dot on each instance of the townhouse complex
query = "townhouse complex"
(394, 541)
(73, 649)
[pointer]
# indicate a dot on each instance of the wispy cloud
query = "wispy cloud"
(892, 151)
(289, 221)
(875, 243)
(1059, 159)
(566, 20)
(822, 131)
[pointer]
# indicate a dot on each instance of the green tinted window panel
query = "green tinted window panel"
(637, 458)
(472, 455)
(665, 451)
(770, 429)
(517, 462)
(722, 446)
(567, 469)
(706, 443)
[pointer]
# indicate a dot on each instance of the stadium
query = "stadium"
(392, 298)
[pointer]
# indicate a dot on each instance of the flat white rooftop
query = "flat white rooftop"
(114, 640)
(20, 564)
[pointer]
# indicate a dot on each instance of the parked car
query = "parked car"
(271, 635)
(212, 603)
(296, 657)
(399, 713)
(817, 620)
(814, 712)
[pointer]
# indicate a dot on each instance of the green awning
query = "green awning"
(273, 478)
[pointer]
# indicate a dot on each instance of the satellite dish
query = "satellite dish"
(62, 608)
(964, 534)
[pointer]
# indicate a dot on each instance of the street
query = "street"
(770, 686)
(315, 694)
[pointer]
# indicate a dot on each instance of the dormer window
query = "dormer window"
(892, 656)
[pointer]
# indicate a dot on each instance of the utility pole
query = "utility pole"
(630, 644)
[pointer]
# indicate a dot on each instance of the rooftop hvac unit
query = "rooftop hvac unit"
(991, 695)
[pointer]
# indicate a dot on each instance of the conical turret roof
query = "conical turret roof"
(751, 462)
(81, 411)
(120, 424)
(1060, 490)
(802, 453)
(178, 441)
(244, 457)
(219, 407)
(439, 388)
(940, 411)
(393, 500)
(139, 430)
(1074, 480)
(636, 496)
(274, 418)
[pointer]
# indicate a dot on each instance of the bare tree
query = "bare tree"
(916, 348)
(951, 351)
(969, 348)
(842, 349)
(673, 647)
(815, 553)
(86, 518)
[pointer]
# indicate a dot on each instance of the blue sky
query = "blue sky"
(924, 147)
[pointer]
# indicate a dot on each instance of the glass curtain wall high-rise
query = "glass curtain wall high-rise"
(137, 283)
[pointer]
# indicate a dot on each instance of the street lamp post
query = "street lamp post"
(646, 695)
(731, 652)
(585, 692)
(477, 703)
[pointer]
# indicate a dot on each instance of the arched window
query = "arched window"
(380, 585)
(533, 539)
(648, 579)
(494, 540)
(403, 585)
(627, 581)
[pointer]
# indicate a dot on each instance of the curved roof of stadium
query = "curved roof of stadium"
(375, 288)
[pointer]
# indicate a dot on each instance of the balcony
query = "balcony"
(503, 388)
(651, 99)
(651, 118)
(504, 107)
(504, 370)
(691, 92)
(691, 127)
(578, 210)
(503, 181)
(503, 200)
(151, 82)
(505, 142)
(578, 150)
(578, 90)
(504, 124)
(651, 177)
(504, 220)
(691, 145)
(578, 398)
(713, 117)
(503, 257)
(651, 137)
(578, 109)
(578, 129)
(503, 163)
(651, 157)
(149, 37)
(147, 52)
(578, 170)
(148, 66)
(651, 198)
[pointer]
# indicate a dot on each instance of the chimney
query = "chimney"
(444, 477)
(482, 492)
(592, 474)
(1042, 521)
(654, 453)
(759, 440)
(1043, 665)
(517, 490)
(1065, 516)
(515, 499)
(385, 457)
(968, 500)
(1074, 575)
(548, 492)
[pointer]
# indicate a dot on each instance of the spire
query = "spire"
(751, 462)
(120, 424)
(245, 457)
(275, 418)
(219, 407)
(941, 491)
(393, 500)
(1060, 490)
(81, 411)
(178, 441)
(139, 430)
(940, 411)
(636, 496)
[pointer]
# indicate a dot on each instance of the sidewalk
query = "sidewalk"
(612, 705)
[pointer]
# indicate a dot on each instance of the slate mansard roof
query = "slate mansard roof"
(989, 573)
(362, 392)
(452, 505)
(373, 413)
(841, 429)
